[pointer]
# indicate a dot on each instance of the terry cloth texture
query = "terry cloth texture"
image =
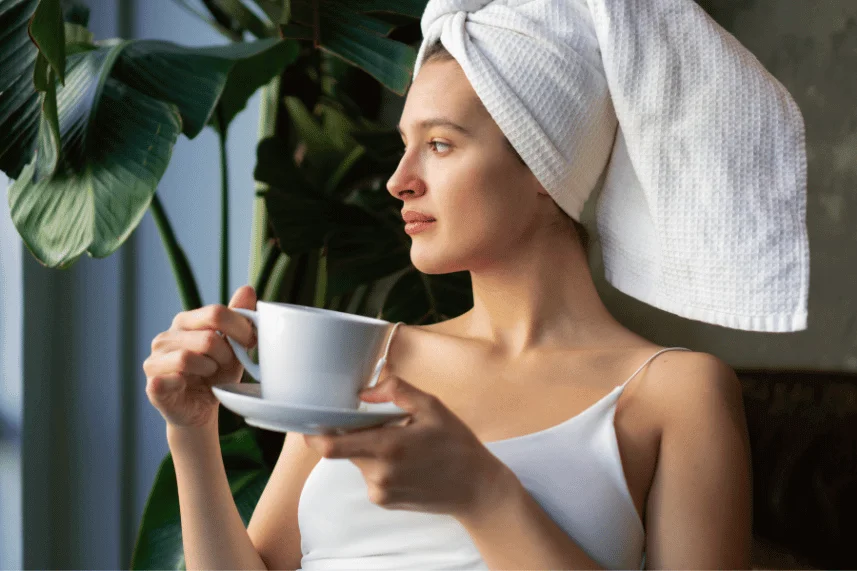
(700, 151)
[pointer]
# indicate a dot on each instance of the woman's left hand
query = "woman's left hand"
(434, 463)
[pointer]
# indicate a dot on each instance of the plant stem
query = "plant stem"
(321, 279)
(185, 281)
(363, 298)
(272, 253)
(296, 276)
(267, 128)
(274, 289)
(224, 209)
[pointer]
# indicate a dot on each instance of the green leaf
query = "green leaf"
(316, 138)
(42, 73)
(302, 218)
(384, 146)
(418, 298)
(90, 193)
(412, 8)
(75, 13)
(321, 293)
(302, 12)
(253, 72)
(275, 167)
(116, 145)
(353, 16)
(276, 10)
(337, 125)
(395, 20)
(159, 540)
(195, 79)
(48, 33)
(77, 39)
(245, 18)
(388, 61)
(362, 254)
(343, 170)
(48, 155)
(343, 29)
(300, 222)
(323, 153)
(224, 21)
(295, 32)
(220, 27)
(19, 103)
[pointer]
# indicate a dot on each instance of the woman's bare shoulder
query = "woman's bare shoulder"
(703, 465)
(679, 382)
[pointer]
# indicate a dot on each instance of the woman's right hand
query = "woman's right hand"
(190, 357)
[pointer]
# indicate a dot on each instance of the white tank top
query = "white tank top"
(573, 470)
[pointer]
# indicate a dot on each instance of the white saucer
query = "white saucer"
(245, 399)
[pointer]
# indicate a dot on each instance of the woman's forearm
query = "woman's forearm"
(512, 531)
(213, 534)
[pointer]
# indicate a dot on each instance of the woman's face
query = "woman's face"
(458, 169)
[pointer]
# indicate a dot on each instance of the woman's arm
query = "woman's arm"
(212, 530)
(699, 507)
(213, 533)
(514, 532)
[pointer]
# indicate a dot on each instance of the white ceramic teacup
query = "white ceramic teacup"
(312, 356)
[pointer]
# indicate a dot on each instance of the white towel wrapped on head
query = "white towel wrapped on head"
(703, 208)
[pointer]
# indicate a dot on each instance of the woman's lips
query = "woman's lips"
(412, 228)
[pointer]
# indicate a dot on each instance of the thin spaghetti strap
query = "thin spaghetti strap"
(383, 360)
(652, 357)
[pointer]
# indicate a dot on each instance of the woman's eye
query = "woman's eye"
(439, 146)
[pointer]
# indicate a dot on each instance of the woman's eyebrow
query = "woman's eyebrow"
(439, 122)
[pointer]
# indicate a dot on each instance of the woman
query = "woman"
(542, 433)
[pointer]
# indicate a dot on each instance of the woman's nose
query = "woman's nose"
(405, 181)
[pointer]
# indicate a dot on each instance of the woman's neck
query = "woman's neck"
(537, 296)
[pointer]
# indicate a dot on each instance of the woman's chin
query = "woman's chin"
(433, 264)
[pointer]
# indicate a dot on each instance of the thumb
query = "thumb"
(244, 297)
(401, 393)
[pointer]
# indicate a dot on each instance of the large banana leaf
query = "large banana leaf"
(110, 172)
(23, 67)
(19, 101)
(120, 113)
(197, 78)
(48, 33)
(159, 540)
(412, 8)
(346, 29)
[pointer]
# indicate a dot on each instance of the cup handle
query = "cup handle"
(240, 352)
